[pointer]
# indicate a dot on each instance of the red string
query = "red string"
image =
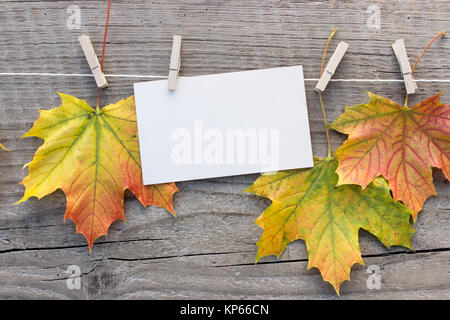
(103, 49)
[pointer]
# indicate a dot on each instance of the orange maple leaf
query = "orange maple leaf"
(93, 156)
(399, 143)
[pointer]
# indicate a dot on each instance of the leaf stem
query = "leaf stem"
(440, 34)
(320, 93)
(103, 50)
(326, 124)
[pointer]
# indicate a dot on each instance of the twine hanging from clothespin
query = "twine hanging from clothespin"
(405, 67)
(331, 66)
(92, 60)
(175, 63)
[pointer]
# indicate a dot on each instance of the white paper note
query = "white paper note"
(223, 125)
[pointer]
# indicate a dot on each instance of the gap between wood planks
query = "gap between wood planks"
(388, 253)
(165, 77)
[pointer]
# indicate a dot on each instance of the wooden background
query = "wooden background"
(208, 251)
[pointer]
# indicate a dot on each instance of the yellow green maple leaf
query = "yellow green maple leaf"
(93, 156)
(306, 204)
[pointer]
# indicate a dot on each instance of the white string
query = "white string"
(136, 76)
(37, 74)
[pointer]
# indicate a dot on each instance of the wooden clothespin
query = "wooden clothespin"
(92, 60)
(175, 63)
(331, 66)
(405, 67)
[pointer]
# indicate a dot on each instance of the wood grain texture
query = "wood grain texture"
(208, 251)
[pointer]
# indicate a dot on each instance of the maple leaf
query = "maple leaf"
(306, 204)
(399, 143)
(93, 156)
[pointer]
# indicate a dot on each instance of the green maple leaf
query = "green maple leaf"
(307, 205)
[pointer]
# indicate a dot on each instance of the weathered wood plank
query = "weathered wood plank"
(211, 276)
(221, 36)
(209, 249)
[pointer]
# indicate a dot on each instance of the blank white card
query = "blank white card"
(223, 125)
